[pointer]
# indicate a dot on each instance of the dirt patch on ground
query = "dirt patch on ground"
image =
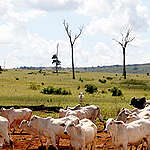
(22, 141)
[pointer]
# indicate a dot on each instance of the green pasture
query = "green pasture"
(17, 88)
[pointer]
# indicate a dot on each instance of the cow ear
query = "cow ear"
(2, 109)
(66, 107)
(127, 114)
(33, 117)
(134, 113)
(63, 125)
(122, 109)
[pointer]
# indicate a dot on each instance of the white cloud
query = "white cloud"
(123, 13)
(94, 7)
(50, 5)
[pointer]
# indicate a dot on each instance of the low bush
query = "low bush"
(109, 78)
(80, 79)
(90, 88)
(102, 80)
(78, 87)
(56, 91)
(116, 91)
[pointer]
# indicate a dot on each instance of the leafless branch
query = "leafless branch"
(125, 37)
(118, 42)
(69, 32)
(76, 36)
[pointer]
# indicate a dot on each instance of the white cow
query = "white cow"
(15, 116)
(90, 112)
(51, 128)
(131, 133)
(25, 127)
(81, 98)
(4, 127)
(77, 107)
(82, 135)
(127, 115)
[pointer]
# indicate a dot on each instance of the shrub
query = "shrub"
(34, 86)
(90, 88)
(17, 78)
(78, 87)
(102, 80)
(116, 91)
(56, 91)
(109, 78)
(80, 79)
(104, 92)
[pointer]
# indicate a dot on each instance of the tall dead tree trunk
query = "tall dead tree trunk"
(125, 39)
(72, 42)
(124, 64)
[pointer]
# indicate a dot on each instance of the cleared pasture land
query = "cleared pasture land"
(23, 87)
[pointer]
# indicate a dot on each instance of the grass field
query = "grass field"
(16, 88)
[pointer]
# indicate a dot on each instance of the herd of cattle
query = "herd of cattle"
(77, 125)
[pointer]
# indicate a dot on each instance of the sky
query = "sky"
(31, 29)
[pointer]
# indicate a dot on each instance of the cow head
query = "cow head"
(68, 127)
(112, 125)
(132, 117)
(62, 113)
(32, 120)
(2, 109)
(23, 124)
(72, 122)
(122, 116)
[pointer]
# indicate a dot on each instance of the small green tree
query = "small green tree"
(55, 60)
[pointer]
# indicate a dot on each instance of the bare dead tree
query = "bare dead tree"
(72, 41)
(125, 39)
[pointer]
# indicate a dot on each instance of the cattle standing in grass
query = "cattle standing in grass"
(81, 98)
(131, 133)
(90, 112)
(4, 127)
(51, 128)
(82, 135)
(15, 116)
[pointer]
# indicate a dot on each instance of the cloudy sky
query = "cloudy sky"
(31, 29)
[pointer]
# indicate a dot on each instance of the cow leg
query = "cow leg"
(41, 141)
(131, 147)
(125, 146)
(57, 140)
(21, 131)
(30, 142)
(53, 139)
(13, 131)
(47, 143)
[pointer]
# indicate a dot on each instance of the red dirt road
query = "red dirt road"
(21, 142)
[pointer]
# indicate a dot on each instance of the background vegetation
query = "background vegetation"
(23, 87)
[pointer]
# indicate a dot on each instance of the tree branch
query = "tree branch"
(118, 42)
(76, 36)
